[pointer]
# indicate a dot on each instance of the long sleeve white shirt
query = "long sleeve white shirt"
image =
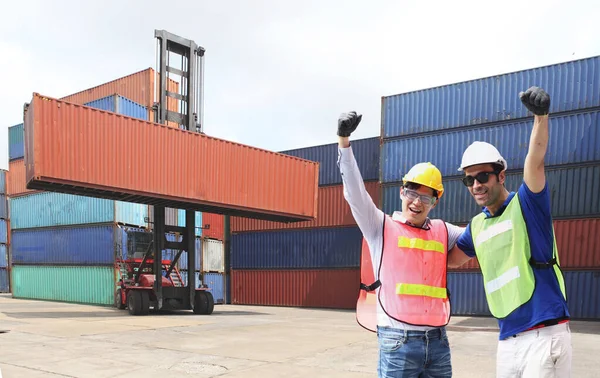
(370, 221)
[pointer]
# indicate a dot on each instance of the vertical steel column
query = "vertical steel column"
(159, 243)
(190, 233)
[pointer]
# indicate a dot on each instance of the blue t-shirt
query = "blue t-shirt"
(547, 301)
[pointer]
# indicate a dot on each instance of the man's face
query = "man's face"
(414, 208)
(486, 193)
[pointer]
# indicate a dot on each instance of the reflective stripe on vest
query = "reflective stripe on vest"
(412, 273)
(504, 253)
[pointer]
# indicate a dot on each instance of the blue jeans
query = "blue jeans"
(413, 353)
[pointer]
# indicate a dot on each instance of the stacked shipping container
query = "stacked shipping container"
(306, 264)
(437, 125)
(62, 240)
(4, 236)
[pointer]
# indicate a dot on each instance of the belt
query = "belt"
(547, 323)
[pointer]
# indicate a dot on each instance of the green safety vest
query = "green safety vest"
(504, 253)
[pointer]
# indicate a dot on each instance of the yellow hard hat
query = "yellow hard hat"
(426, 174)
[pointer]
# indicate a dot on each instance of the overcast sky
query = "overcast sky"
(278, 73)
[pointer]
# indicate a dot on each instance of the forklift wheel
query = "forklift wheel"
(138, 302)
(204, 303)
(118, 300)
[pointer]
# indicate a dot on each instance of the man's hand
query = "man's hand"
(536, 100)
(347, 123)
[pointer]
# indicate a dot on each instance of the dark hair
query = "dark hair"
(497, 167)
(415, 186)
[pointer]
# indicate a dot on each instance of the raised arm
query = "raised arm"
(538, 102)
(368, 217)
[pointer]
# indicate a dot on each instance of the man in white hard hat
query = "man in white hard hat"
(513, 239)
(403, 295)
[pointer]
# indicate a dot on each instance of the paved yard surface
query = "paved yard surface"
(46, 339)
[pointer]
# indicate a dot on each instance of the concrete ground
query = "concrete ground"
(47, 339)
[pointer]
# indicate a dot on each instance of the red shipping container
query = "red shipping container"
(15, 179)
(217, 226)
(138, 87)
(333, 211)
(321, 288)
(578, 243)
(81, 150)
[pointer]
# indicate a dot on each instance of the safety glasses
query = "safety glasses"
(482, 177)
(413, 195)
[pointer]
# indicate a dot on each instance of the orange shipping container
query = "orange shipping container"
(15, 179)
(138, 87)
(217, 226)
(325, 288)
(81, 150)
(332, 210)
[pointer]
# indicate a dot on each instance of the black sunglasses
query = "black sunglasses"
(482, 177)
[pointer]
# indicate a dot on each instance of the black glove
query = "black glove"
(536, 100)
(347, 123)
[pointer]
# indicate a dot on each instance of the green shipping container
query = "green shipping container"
(49, 209)
(75, 284)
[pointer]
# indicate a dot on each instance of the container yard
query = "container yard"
(124, 223)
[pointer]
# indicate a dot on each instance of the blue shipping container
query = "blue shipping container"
(573, 191)
(198, 224)
(3, 231)
(2, 181)
(216, 284)
(4, 281)
(583, 294)
(366, 152)
(3, 207)
(16, 146)
(228, 288)
(87, 245)
(49, 209)
(3, 256)
(184, 276)
(573, 139)
(571, 85)
(121, 105)
(308, 248)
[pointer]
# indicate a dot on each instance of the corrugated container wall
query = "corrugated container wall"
(216, 283)
(197, 222)
(337, 288)
(332, 211)
(236, 168)
(4, 281)
(572, 85)
(312, 248)
(573, 139)
(366, 152)
(457, 205)
(16, 182)
(216, 224)
(121, 105)
(2, 181)
(3, 207)
(3, 231)
(213, 256)
(583, 294)
(50, 209)
(86, 245)
(137, 87)
(3, 256)
(76, 284)
(15, 142)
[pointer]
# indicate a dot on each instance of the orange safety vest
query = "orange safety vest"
(411, 278)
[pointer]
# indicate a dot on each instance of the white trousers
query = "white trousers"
(539, 353)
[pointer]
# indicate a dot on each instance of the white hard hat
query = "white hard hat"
(481, 153)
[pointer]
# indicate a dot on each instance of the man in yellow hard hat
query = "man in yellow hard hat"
(403, 293)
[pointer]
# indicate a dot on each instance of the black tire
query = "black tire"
(204, 303)
(118, 302)
(134, 302)
(145, 302)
